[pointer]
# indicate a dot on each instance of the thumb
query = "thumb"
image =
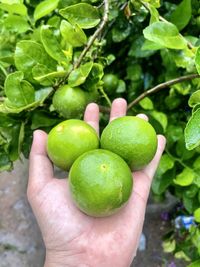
(40, 167)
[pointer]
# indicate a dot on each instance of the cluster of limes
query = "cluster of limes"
(100, 179)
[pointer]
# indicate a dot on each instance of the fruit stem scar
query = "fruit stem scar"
(103, 167)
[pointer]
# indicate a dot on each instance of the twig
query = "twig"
(105, 96)
(181, 162)
(161, 86)
(95, 35)
(90, 42)
(104, 109)
(154, 90)
(113, 21)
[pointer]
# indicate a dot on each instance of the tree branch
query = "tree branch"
(154, 90)
(95, 35)
(161, 86)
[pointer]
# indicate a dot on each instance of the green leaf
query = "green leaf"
(14, 8)
(19, 92)
(184, 59)
(45, 76)
(54, 21)
(164, 175)
(155, 3)
(190, 204)
(192, 131)
(134, 72)
(42, 119)
(78, 76)
(149, 45)
(182, 14)
(42, 94)
(121, 88)
(51, 44)
(44, 8)
(194, 264)
(166, 163)
(16, 23)
(28, 54)
(11, 2)
(185, 178)
(121, 31)
(73, 34)
(5, 163)
(6, 121)
(191, 191)
(197, 60)
(136, 49)
(183, 88)
(161, 183)
(161, 118)
(16, 141)
(40, 97)
(165, 34)
(196, 164)
(93, 80)
(181, 150)
(197, 215)
(169, 246)
(83, 14)
(154, 14)
(194, 99)
(146, 103)
(181, 255)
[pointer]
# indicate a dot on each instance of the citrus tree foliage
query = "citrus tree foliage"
(144, 44)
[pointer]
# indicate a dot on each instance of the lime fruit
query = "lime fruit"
(68, 140)
(110, 83)
(69, 102)
(132, 138)
(100, 182)
(92, 96)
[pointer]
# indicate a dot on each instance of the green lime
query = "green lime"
(68, 140)
(110, 83)
(69, 102)
(132, 138)
(100, 182)
(92, 96)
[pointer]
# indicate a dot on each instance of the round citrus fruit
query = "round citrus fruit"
(68, 140)
(92, 96)
(110, 83)
(69, 102)
(100, 182)
(132, 138)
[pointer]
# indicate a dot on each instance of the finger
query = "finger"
(150, 169)
(118, 109)
(143, 116)
(40, 167)
(91, 116)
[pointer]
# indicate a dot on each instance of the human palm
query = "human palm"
(72, 238)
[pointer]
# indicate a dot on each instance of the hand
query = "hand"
(72, 238)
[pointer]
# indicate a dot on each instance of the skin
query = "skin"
(72, 238)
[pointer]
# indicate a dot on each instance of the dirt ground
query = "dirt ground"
(20, 240)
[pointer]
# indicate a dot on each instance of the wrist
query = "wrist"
(63, 259)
